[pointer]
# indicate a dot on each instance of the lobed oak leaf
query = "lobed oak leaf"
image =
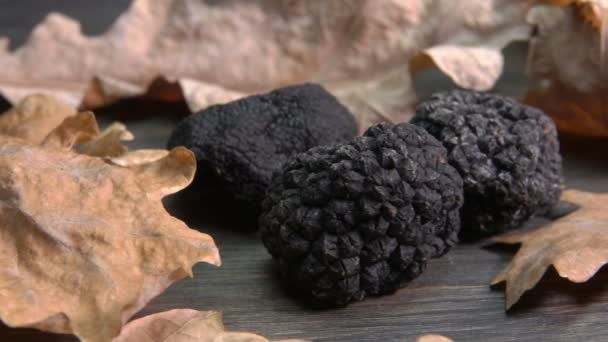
(108, 143)
(185, 325)
(74, 130)
(576, 245)
(138, 157)
(44, 120)
(218, 51)
(79, 132)
(34, 117)
(84, 244)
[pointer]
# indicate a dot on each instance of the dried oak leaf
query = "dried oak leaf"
(84, 244)
(185, 325)
(42, 119)
(108, 143)
(571, 82)
(217, 51)
(74, 130)
(34, 117)
(576, 245)
(138, 157)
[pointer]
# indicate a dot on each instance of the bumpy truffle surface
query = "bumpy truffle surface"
(244, 141)
(362, 218)
(507, 154)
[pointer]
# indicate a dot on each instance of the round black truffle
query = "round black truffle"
(507, 154)
(362, 218)
(242, 142)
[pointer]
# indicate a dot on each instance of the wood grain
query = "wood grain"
(452, 297)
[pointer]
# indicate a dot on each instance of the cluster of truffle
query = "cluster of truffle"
(346, 216)
(362, 217)
(507, 154)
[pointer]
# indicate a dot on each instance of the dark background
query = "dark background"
(452, 297)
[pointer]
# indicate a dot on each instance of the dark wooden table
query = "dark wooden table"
(452, 297)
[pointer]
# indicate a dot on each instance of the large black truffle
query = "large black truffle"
(507, 154)
(362, 218)
(242, 142)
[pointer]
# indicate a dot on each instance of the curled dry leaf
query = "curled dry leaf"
(219, 51)
(433, 338)
(84, 258)
(576, 245)
(185, 325)
(138, 157)
(74, 130)
(108, 143)
(568, 58)
(34, 117)
(44, 120)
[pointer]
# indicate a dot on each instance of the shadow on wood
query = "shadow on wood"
(32, 335)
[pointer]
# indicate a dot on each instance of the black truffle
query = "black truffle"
(362, 218)
(507, 154)
(242, 142)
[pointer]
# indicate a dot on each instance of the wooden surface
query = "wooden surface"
(452, 297)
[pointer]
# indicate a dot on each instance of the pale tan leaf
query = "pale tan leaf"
(185, 325)
(45, 120)
(34, 117)
(52, 123)
(199, 94)
(116, 88)
(168, 174)
(475, 68)
(470, 57)
(576, 245)
(108, 143)
(433, 338)
(74, 130)
(359, 50)
(85, 244)
(138, 157)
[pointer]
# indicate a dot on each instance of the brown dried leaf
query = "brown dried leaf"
(74, 130)
(138, 157)
(574, 112)
(218, 51)
(34, 117)
(433, 338)
(576, 245)
(185, 325)
(52, 123)
(569, 60)
(85, 244)
(108, 143)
